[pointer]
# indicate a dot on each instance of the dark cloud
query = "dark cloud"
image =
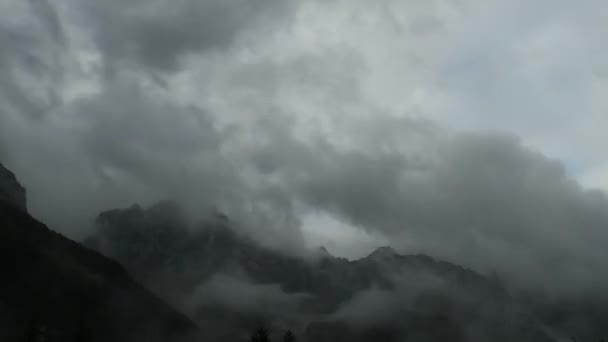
(482, 200)
(47, 13)
(121, 142)
(156, 34)
(32, 42)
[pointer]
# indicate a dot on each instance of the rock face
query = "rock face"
(384, 296)
(54, 289)
(11, 192)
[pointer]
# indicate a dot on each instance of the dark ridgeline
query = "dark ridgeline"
(263, 335)
(12, 194)
(55, 290)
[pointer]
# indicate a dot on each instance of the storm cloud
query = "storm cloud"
(156, 34)
(275, 111)
(482, 200)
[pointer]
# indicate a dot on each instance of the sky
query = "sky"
(471, 130)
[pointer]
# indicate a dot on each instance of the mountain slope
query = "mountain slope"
(56, 288)
(384, 296)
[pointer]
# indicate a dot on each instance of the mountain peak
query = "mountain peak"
(11, 191)
(384, 252)
(324, 252)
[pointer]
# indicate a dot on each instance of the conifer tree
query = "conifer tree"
(260, 335)
(289, 336)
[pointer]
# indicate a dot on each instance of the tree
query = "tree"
(34, 332)
(289, 336)
(81, 334)
(260, 335)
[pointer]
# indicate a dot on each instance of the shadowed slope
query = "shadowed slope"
(53, 286)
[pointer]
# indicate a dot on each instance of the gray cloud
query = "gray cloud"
(483, 200)
(480, 200)
(156, 34)
(32, 39)
(378, 305)
(118, 142)
(234, 302)
(245, 296)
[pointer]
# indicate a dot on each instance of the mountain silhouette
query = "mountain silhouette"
(383, 296)
(55, 289)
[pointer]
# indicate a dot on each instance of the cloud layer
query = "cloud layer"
(279, 111)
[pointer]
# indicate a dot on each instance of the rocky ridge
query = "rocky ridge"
(416, 294)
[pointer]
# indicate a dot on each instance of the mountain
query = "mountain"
(11, 192)
(229, 284)
(54, 289)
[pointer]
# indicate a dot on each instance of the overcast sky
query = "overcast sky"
(436, 125)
